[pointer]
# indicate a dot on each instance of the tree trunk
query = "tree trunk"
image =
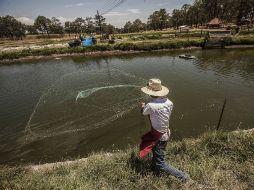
(240, 13)
(215, 9)
(48, 33)
(197, 21)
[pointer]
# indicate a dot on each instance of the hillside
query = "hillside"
(214, 161)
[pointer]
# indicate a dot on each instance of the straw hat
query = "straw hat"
(154, 88)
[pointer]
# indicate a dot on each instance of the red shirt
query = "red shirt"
(149, 140)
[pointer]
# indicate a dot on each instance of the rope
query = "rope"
(118, 3)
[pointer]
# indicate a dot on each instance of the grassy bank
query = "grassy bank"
(134, 45)
(126, 46)
(214, 161)
(243, 40)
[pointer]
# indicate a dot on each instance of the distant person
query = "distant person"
(81, 37)
(158, 111)
(94, 41)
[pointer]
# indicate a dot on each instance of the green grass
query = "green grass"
(243, 40)
(126, 46)
(214, 161)
(151, 42)
(162, 35)
(247, 32)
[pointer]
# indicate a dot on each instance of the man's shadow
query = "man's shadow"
(141, 166)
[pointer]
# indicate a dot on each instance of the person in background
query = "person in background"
(158, 111)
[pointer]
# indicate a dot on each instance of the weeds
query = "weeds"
(243, 40)
(127, 46)
(146, 45)
(214, 161)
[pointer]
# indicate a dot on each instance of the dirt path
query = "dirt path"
(50, 166)
(20, 48)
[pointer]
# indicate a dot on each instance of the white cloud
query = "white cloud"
(25, 20)
(29, 21)
(128, 12)
(75, 5)
(115, 14)
(121, 22)
(134, 11)
(64, 19)
(163, 4)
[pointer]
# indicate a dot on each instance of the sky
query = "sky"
(67, 10)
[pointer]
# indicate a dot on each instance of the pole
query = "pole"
(99, 18)
(221, 114)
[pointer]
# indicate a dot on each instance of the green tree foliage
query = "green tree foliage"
(99, 21)
(136, 26)
(90, 25)
(11, 28)
(30, 29)
(68, 27)
(177, 18)
(55, 26)
(42, 24)
(79, 25)
(127, 27)
(108, 29)
(202, 11)
(159, 20)
(196, 14)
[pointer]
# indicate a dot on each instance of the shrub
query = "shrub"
(243, 41)
(247, 32)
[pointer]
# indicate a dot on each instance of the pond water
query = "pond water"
(64, 108)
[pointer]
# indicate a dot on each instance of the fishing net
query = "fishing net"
(83, 101)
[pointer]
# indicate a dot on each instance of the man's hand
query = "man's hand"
(142, 105)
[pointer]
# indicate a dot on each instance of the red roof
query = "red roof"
(215, 21)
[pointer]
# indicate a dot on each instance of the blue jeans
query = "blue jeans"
(159, 164)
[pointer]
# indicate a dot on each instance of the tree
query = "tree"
(138, 26)
(90, 25)
(80, 25)
(177, 18)
(185, 12)
(31, 29)
(244, 9)
(56, 27)
(11, 28)
(99, 21)
(159, 20)
(202, 11)
(67, 28)
(20, 30)
(108, 29)
(42, 24)
(197, 13)
(127, 27)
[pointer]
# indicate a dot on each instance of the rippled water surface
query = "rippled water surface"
(59, 109)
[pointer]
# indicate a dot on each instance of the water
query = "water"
(52, 110)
